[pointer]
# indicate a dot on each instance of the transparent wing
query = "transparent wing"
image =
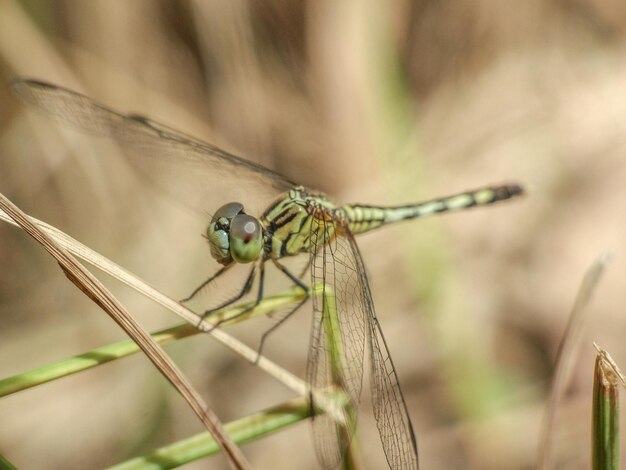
(337, 338)
(344, 320)
(390, 411)
(191, 170)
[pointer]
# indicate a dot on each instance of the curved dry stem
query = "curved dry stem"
(85, 281)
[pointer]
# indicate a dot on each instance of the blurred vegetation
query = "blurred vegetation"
(373, 102)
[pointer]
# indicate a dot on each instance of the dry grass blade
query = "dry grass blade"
(87, 283)
(565, 355)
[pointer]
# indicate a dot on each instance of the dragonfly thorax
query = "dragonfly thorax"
(234, 235)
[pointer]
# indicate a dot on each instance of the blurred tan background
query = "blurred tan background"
(373, 102)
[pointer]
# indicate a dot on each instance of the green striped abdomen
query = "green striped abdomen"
(363, 218)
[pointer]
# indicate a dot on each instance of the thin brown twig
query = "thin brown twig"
(95, 290)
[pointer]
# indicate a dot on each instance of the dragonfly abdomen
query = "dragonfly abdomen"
(363, 218)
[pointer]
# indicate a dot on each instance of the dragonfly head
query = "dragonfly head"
(234, 235)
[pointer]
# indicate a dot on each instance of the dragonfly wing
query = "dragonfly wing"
(195, 172)
(390, 411)
(331, 438)
(338, 337)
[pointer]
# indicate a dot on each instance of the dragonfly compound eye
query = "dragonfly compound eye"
(246, 238)
(229, 210)
(219, 229)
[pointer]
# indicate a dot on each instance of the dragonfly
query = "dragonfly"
(299, 221)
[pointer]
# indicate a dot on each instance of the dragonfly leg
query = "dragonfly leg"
(246, 288)
(307, 266)
(244, 291)
(290, 275)
(288, 315)
(206, 283)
